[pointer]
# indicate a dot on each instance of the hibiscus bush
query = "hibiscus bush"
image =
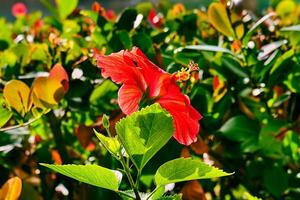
(154, 102)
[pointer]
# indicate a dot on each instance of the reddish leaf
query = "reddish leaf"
(59, 73)
(199, 147)
(84, 135)
(56, 157)
(192, 190)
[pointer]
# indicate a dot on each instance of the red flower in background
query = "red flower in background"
(144, 83)
(19, 9)
(155, 19)
(108, 14)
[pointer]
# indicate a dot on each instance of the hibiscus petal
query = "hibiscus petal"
(156, 78)
(185, 117)
(120, 69)
(128, 98)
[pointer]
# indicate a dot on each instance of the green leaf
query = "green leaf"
(66, 7)
(275, 180)
(185, 169)
(172, 197)
(234, 67)
(291, 146)
(293, 81)
(125, 39)
(255, 26)
(284, 8)
(111, 144)
(269, 145)
(144, 133)
(99, 92)
(127, 19)
(91, 174)
(239, 128)
(207, 48)
(5, 114)
(287, 55)
(143, 41)
(217, 16)
(291, 28)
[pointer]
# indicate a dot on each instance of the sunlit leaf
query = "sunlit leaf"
(91, 174)
(47, 92)
(18, 96)
(217, 16)
(59, 73)
(66, 7)
(185, 169)
(5, 114)
(111, 144)
(144, 133)
(239, 28)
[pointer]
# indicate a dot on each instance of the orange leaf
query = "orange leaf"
(192, 190)
(56, 157)
(11, 190)
(199, 147)
(47, 92)
(84, 134)
(18, 96)
(59, 73)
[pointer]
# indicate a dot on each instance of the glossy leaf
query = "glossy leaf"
(65, 8)
(217, 16)
(18, 96)
(100, 91)
(206, 48)
(91, 174)
(185, 169)
(255, 27)
(239, 128)
(111, 144)
(47, 92)
(144, 133)
(127, 19)
(5, 114)
(59, 73)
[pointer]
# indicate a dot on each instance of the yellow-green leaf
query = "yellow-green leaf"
(18, 96)
(218, 17)
(47, 92)
(239, 28)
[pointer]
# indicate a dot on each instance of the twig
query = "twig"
(20, 125)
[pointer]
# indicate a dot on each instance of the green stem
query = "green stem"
(138, 178)
(130, 179)
(150, 195)
(125, 194)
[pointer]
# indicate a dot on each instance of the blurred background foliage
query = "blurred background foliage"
(247, 89)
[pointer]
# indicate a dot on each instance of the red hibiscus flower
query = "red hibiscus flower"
(19, 9)
(144, 83)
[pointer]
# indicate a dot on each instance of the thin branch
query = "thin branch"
(20, 125)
